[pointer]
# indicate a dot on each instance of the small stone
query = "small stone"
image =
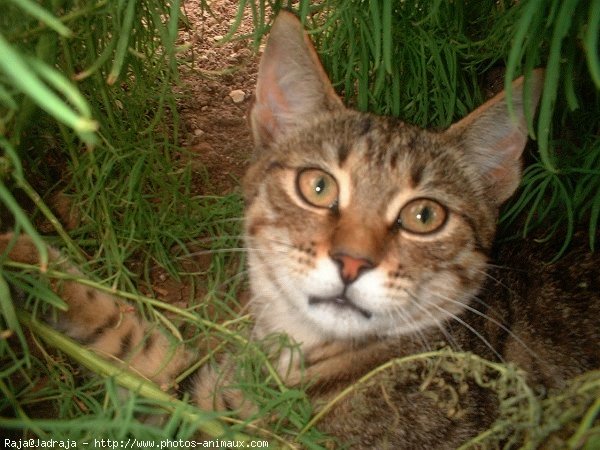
(217, 37)
(198, 132)
(238, 96)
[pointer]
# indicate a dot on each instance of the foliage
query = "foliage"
(87, 112)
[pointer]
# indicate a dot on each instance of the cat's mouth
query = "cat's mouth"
(339, 301)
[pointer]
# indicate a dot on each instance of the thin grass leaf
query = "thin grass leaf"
(569, 83)
(377, 36)
(21, 75)
(523, 27)
(30, 424)
(237, 21)
(23, 221)
(593, 222)
(8, 314)
(7, 99)
(98, 62)
(43, 16)
(590, 42)
(569, 213)
(396, 95)
(122, 42)
(586, 427)
(303, 8)
(561, 28)
(533, 206)
(35, 289)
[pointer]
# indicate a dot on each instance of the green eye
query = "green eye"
(422, 216)
(317, 188)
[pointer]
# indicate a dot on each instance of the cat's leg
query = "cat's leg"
(103, 322)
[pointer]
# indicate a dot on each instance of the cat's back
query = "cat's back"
(552, 307)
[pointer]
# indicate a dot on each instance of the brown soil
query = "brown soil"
(215, 128)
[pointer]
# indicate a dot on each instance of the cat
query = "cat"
(369, 239)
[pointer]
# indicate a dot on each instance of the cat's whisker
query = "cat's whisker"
(278, 242)
(466, 325)
(505, 267)
(210, 239)
(211, 252)
(499, 266)
(487, 317)
(229, 219)
(228, 250)
(436, 321)
(415, 332)
(233, 278)
(494, 279)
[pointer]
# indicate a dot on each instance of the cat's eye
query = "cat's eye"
(317, 188)
(422, 216)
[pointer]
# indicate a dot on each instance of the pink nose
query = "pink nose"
(351, 267)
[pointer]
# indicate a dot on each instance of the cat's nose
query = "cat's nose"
(350, 266)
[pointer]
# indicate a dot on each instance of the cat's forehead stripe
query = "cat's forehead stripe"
(416, 173)
(343, 152)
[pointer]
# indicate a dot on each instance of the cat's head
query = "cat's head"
(359, 225)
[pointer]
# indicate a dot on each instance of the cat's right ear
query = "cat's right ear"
(494, 139)
(291, 85)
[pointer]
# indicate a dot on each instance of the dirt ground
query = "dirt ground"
(215, 128)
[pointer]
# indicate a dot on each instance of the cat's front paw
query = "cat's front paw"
(212, 390)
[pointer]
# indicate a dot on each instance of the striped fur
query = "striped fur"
(104, 323)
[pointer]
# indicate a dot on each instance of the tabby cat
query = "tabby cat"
(369, 239)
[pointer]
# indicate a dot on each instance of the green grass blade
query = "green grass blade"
(516, 51)
(13, 65)
(590, 42)
(593, 222)
(122, 43)
(23, 221)
(8, 314)
(563, 24)
(43, 16)
(376, 33)
(386, 30)
(98, 63)
(35, 289)
(61, 84)
(7, 99)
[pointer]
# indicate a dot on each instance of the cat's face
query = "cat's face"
(367, 227)
(361, 226)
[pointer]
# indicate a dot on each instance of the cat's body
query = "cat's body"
(368, 240)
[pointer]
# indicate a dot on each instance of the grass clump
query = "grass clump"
(87, 112)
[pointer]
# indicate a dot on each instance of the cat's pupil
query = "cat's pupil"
(424, 215)
(320, 186)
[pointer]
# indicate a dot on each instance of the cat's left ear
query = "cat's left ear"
(494, 139)
(292, 85)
